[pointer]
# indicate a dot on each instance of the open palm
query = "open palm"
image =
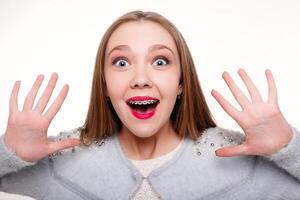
(266, 130)
(26, 132)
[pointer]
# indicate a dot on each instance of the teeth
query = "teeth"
(145, 102)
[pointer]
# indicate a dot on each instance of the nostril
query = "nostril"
(141, 85)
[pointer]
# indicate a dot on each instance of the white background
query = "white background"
(39, 36)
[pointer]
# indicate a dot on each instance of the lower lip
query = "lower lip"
(143, 115)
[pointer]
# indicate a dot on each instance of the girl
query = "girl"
(149, 133)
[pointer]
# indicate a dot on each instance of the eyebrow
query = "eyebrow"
(150, 49)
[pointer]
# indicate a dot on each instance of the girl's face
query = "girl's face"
(142, 73)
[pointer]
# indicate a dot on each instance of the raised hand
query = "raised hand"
(266, 130)
(26, 132)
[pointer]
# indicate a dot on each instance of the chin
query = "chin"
(143, 132)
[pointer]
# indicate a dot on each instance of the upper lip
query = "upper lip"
(141, 98)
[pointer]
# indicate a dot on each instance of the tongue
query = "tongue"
(145, 109)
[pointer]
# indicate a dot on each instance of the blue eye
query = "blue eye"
(161, 61)
(120, 62)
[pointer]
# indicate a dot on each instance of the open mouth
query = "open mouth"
(143, 106)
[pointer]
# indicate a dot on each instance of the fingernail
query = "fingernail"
(224, 74)
(216, 152)
(55, 74)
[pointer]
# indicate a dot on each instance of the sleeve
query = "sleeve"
(33, 179)
(20, 177)
(9, 161)
(288, 158)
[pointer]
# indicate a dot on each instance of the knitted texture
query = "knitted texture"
(288, 157)
(9, 161)
(146, 191)
(102, 171)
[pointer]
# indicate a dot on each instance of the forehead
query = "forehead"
(140, 35)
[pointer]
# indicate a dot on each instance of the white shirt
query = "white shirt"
(145, 191)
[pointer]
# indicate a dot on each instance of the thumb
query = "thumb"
(231, 151)
(63, 144)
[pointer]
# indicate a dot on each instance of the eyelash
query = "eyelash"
(163, 58)
(155, 59)
(118, 59)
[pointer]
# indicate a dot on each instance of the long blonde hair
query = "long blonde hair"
(190, 115)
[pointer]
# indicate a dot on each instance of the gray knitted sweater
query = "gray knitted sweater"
(102, 171)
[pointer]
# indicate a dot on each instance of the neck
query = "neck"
(138, 148)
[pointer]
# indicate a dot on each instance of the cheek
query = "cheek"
(116, 85)
(168, 84)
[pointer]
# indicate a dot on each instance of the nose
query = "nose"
(140, 78)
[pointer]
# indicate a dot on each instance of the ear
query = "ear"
(106, 92)
(106, 96)
(179, 90)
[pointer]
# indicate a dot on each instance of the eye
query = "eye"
(161, 61)
(120, 62)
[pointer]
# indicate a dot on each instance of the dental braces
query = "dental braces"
(145, 102)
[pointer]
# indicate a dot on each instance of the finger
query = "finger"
(235, 90)
(232, 151)
(63, 144)
(13, 102)
(43, 101)
(272, 87)
(227, 107)
(253, 91)
(32, 93)
(56, 105)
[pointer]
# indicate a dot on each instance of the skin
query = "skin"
(26, 131)
(146, 73)
(265, 127)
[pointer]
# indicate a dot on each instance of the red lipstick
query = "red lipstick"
(142, 107)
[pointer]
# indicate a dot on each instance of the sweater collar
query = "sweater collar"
(155, 172)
